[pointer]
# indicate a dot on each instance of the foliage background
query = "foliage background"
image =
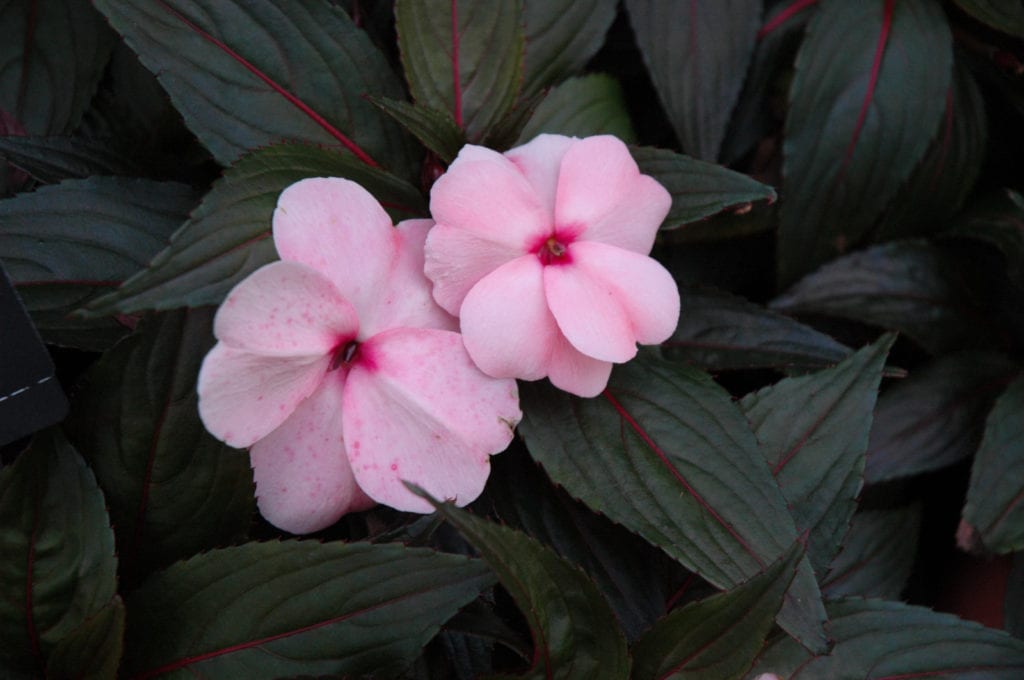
(779, 487)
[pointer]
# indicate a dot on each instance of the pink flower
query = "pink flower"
(542, 253)
(341, 373)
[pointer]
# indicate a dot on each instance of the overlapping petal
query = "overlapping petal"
(456, 260)
(597, 176)
(245, 396)
(336, 227)
(633, 223)
(540, 161)
(575, 372)
(506, 324)
(491, 199)
(643, 288)
(285, 309)
(303, 479)
(417, 409)
(589, 312)
(405, 299)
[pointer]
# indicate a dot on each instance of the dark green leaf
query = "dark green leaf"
(698, 189)
(266, 610)
(57, 564)
(697, 54)
(52, 159)
(435, 129)
(945, 176)
(878, 555)
(720, 331)
(813, 430)
(64, 244)
(918, 288)
(717, 638)
(999, 221)
(93, 650)
(935, 417)
(1013, 606)
(575, 634)
(579, 107)
(51, 60)
(1007, 17)
(228, 236)
(995, 497)
(267, 73)
(636, 578)
(877, 639)
(664, 452)
(756, 115)
(172, 489)
(464, 58)
(854, 132)
(561, 37)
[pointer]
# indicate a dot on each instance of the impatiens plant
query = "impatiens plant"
(472, 338)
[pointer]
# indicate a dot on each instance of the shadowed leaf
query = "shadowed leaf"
(580, 107)
(877, 556)
(664, 452)
(93, 650)
(561, 37)
(266, 610)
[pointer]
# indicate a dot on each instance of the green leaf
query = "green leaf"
(64, 244)
(935, 417)
(925, 291)
(266, 610)
(717, 638)
(697, 55)
(878, 639)
(93, 650)
(172, 489)
(51, 60)
(228, 235)
(878, 555)
(464, 58)
(57, 564)
(561, 37)
(1002, 16)
(580, 107)
(754, 117)
(268, 74)
(575, 634)
(435, 129)
(946, 175)
(995, 498)
(52, 159)
(664, 452)
(866, 101)
(720, 331)
(813, 431)
(698, 189)
(998, 220)
(636, 578)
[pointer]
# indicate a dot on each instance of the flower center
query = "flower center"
(344, 354)
(553, 251)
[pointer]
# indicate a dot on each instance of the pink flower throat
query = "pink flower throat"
(554, 248)
(346, 354)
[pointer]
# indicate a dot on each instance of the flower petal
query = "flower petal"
(244, 396)
(417, 409)
(588, 311)
(336, 227)
(303, 479)
(406, 299)
(601, 190)
(540, 161)
(487, 195)
(575, 372)
(285, 309)
(457, 259)
(633, 223)
(506, 325)
(644, 289)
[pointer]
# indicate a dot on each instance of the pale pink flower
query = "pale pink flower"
(341, 373)
(542, 253)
